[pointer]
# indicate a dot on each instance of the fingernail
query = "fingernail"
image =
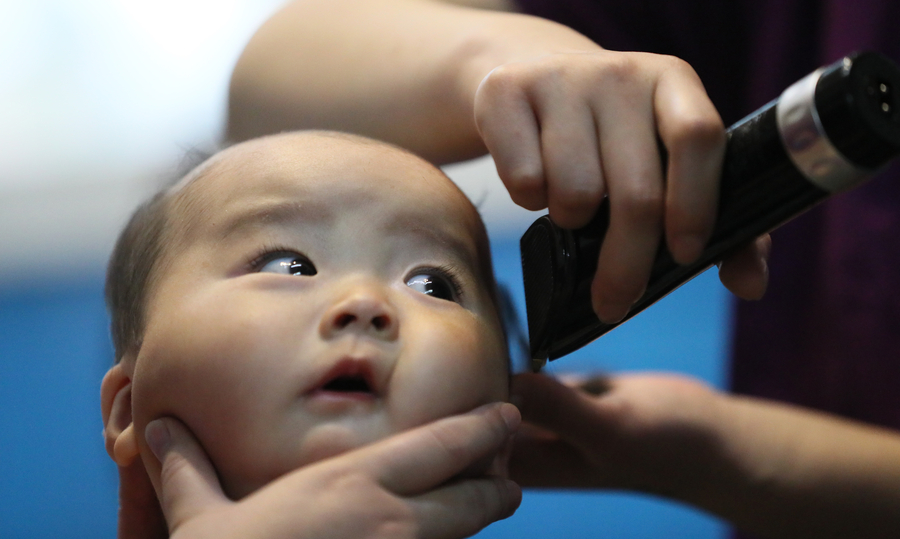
(514, 493)
(158, 438)
(764, 266)
(688, 247)
(510, 415)
(611, 313)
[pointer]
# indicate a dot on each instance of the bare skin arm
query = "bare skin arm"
(809, 474)
(405, 71)
(772, 469)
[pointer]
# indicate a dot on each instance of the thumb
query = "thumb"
(189, 485)
(549, 404)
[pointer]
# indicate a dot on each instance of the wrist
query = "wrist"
(699, 464)
(753, 448)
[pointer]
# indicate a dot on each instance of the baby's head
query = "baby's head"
(297, 296)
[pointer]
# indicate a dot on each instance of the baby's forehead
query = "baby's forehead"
(317, 172)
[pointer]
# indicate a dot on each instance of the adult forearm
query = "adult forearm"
(404, 71)
(793, 473)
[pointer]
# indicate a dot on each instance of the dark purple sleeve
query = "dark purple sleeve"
(711, 35)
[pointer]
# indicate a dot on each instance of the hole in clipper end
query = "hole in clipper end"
(882, 95)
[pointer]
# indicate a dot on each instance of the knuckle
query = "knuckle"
(452, 442)
(675, 63)
(557, 76)
(620, 69)
(348, 481)
(463, 440)
(526, 187)
(172, 467)
(505, 78)
(494, 81)
(668, 65)
(539, 75)
(525, 177)
(702, 131)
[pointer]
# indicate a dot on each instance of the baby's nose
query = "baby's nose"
(364, 310)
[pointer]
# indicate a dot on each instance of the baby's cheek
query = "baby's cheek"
(220, 404)
(485, 365)
(453, 378)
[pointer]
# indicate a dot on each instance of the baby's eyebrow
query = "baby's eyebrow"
(423, 228)
(277, 213)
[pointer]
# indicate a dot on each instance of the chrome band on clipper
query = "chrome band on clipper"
(807, 143)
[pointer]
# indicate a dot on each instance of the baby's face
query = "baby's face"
(319, 294)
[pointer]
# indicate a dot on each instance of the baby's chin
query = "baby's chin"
(330, 440)
(249, 473)
(321, 443)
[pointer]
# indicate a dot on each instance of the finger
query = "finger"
(746, 272)
(188, 482)
(593, 384)
(547, 462)
(634, 184)
(464, 508)
(694, 136)
(570, 154)
(422, 458)
(555, 407)
(499, 465)
(510, 131)
(140, 516)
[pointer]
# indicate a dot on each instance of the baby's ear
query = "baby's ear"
(118, 427)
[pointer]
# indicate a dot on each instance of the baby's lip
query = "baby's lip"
(348, 378)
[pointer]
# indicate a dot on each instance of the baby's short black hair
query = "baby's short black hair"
(131, 268)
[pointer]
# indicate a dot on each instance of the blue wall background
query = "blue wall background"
(56, 480)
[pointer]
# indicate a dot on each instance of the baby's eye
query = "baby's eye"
(436, 285)
(289, 264)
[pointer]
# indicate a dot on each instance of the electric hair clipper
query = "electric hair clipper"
(825, 134)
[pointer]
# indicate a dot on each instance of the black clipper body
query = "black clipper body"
(825, 134)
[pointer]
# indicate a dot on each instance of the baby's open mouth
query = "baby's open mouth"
(349, 378)
(348, 384)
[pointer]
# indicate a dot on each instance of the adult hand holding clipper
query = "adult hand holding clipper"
(826, 133)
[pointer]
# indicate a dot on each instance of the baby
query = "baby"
(295, 297)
